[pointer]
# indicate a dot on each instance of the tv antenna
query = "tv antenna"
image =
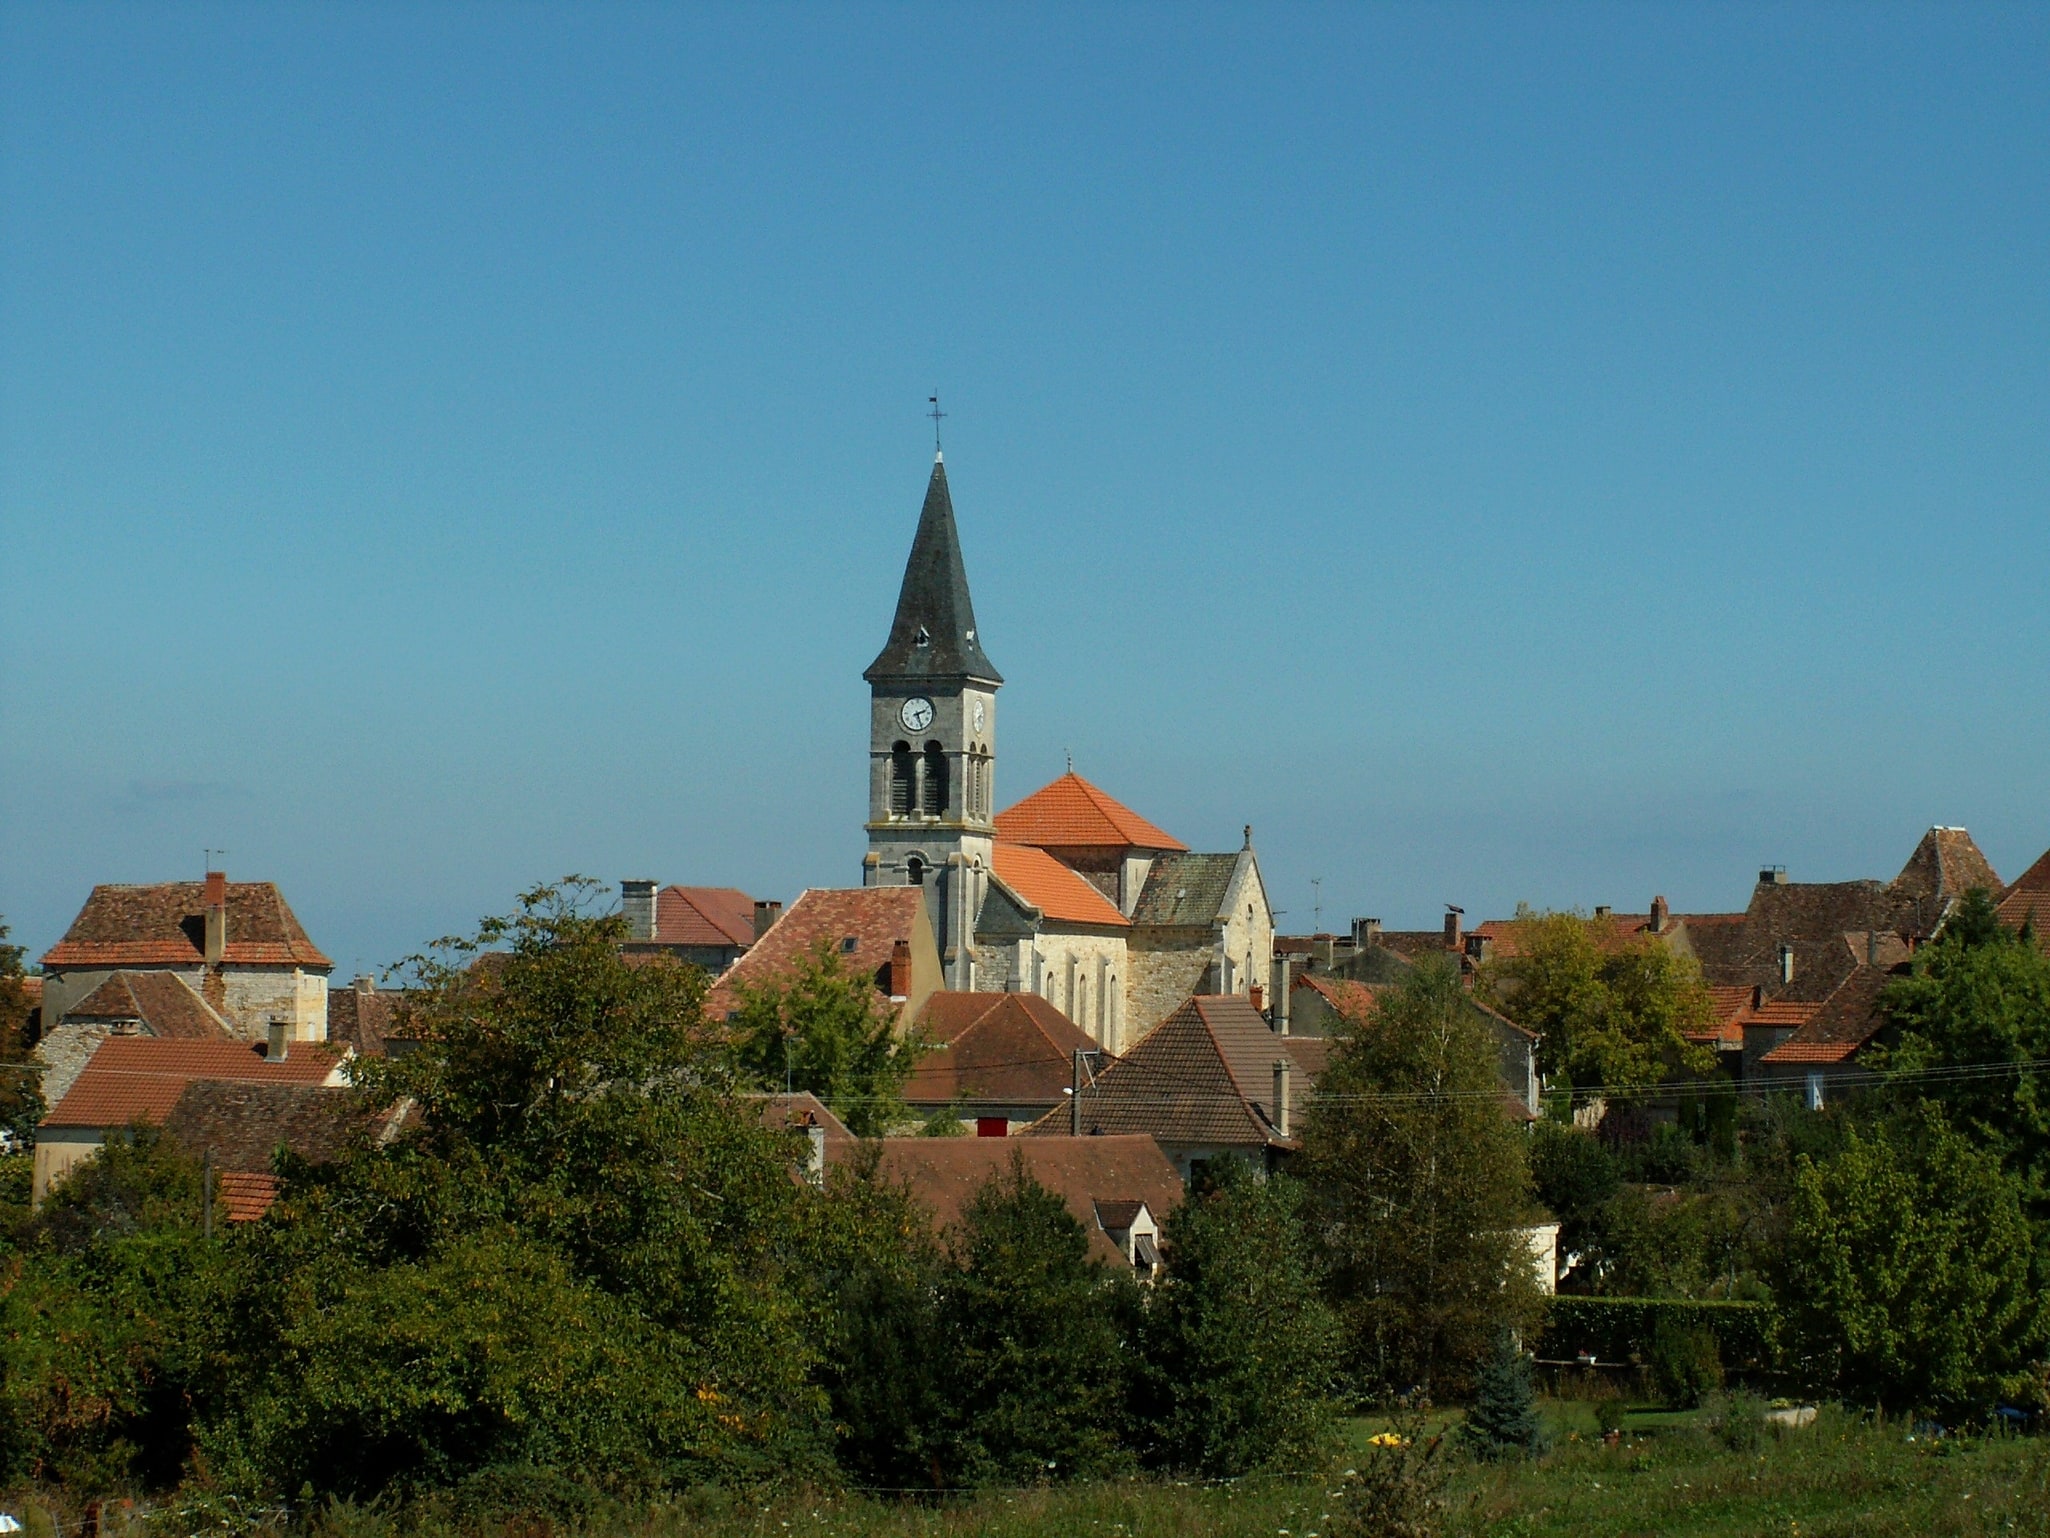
(210, 856)
(1317, 906)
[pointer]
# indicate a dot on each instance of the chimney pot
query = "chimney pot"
(1365, 932)
(1259, 998)
(1773, 875)
(277, 1042)
(1660, 915)
(1604, 911)
(364, 984)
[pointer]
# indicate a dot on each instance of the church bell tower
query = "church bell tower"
(932, 740)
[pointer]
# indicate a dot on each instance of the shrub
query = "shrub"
(1398, 1490)
(1685, 1365)
(1622, 1329)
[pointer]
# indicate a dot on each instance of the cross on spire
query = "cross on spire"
(935, 414)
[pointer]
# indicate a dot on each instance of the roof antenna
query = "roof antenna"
(935, 414)
(1071, 759)
(1317, 904)
(210, 853)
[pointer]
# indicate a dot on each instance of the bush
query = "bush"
(1685, 1365)
(1737, 1421)
(1399, 1488)
(1622, 1329)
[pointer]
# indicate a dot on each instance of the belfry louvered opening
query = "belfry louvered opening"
(903, 777)
(935, 780)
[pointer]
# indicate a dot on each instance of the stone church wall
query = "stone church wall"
(1167, 965)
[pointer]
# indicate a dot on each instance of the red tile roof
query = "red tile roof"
(133, 1077)
(1355, 1001)
(873, 918)
(165, 926)
(1073, 814)
(945, 1173)
(2028, 900)
(1052, 888)
(245, 1195)
(704, 915)
(1841, 1024)
(997, 1048)
(163, 1002)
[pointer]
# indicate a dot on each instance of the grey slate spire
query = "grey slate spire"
(933, 635)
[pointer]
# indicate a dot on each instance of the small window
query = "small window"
(915, 869)
(848, 945)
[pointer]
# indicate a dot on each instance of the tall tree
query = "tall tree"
(825, 1030)
(1607, 1010)
(21, 1100)
(1978, 998)
(1239, 1346)
(1911, 1276)
(1421, 1188)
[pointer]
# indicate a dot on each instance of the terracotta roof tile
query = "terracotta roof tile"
(1842, 1023)
(245, 1195)
(873, 919)
(1071, 813)
(165, 926)
(1204, 1075)
(704, 915)
(1946, 864)
(131, 1077)
(163, 1002)
(243, 1123)
(798, 1109)
(2028, 901)
(996, 1048)
(945, 1173)
(1052, 888)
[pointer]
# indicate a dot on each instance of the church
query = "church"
(1067, 894)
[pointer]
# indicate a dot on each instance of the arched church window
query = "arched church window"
(935, 780)
(915, 869)
(902, 775)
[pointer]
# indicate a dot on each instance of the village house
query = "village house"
(140, 1078)
(882, 934)
(1318, 1004)
(237, 1127)
(2026, 904)
(998, 1061)
(708, 926)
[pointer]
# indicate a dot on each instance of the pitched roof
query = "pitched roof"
(2028, 901)
(132, 1077)
(1841, 1024)
(1737, 1007)
(945, 1173)
(1070, 813)
(1051, 887)
(1355, 1001)
(165, 926)
(1186, 889)
(243, 1123)
(703, 915)
(163, 1002)
(1946, 864)
(861, 925)
(245, 1195)
(1204, 1075)
(1005, 1048)
(933, 633)
(366, 1018)
(801, 1108)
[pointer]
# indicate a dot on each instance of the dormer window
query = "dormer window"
(848, 944)
(922, 638)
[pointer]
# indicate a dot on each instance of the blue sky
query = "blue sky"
(1507, 453)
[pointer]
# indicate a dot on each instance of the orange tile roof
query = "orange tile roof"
(244, 1195)
(1810, 1052)
(1073, 814)
(704, 915)
(164, 925)
(1011, 1048)
(132, 1077)
(1052, 888)
(874, 918)
(2028, 901)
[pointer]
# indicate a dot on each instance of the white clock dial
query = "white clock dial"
(916, 715)
(978, 716)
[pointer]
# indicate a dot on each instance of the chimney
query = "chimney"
(1660, 915)
(1326, 950)
(900, 970)
(278, 1042)
(637, 903)
(1453, 917)
(1604, 911)
(1281, 1097)
(1479, 946)
(1786, 964)
(1773, 875)
(216, 917)
(1871, 947)
(1258, 995)
(1365, 932)
(1281, 992)
(766, 914)
(815, 1149)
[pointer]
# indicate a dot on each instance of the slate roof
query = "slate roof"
(933, 634)
(165, 926)
(366, 1020)
(703, 915)
(1052, 888)
(945, 1173)
(873, 918)
(1071, 813)
(1204, 1075)
(133, 1077)
(244, 1123)
(998, 1048)
(164, 1003)
(1186, 890)
(1946, 864)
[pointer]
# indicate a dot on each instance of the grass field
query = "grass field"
(1842, 1477)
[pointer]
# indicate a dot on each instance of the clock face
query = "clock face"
(916, 715)
(978, 717)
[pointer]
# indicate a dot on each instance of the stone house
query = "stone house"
(238, 1126)
(154, 1004)
(880, 933)
(708, 926)
(236, 943)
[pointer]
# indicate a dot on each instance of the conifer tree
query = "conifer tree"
(1503, 1422)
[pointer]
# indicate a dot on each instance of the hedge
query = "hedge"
(1621, 1329)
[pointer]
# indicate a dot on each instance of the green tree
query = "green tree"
(1911, 1278)
(1574, 1176)
(21, 1100)
(1035, 1338)
(825, 1030)
(1979, 996)
(1239, 1348)
(1421, 1188)
(1606, 1011)
(1503, 1419)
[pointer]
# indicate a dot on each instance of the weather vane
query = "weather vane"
(935, 414)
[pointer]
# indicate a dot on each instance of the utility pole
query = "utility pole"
(206, 1196)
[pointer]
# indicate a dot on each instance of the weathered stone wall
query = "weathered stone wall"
(252, 996)
(1248, 931)
(64, 1052)
(1166, 965)
(1078, 973)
